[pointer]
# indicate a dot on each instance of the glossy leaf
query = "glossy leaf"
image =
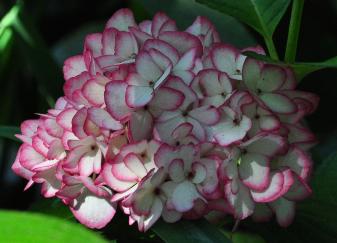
(32, 227)
(262, 15)
(188, 231)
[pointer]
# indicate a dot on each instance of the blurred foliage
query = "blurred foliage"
(36, 38)
(17, 227)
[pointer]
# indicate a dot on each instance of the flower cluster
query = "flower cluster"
(173, 124)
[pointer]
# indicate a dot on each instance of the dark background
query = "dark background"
(60, 26)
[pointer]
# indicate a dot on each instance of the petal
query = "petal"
(135, 165)
(167, 98)
(113, 182)
(273, 190)
(74, 66)
(284, 210)
(254, 171)
(251, 73)
(146, 67)
(93, 42)
(155, 214)
(121, 20)
(138, 96)
(206, 114)
(164, 48)
(93, 92)
(141, 123)
(186, 62)
(92, 211)
(114, 97)
(224, 58)
(272, 78)
(299, 190)
(103, 119)
(184, 195)
(65, 117)
(278, 103)
(267, 144)
(176, 170)
(182, 41)
(199, 173)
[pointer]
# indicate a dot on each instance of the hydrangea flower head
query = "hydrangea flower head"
(170, 124)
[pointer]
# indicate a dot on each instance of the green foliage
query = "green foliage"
(9, 132)
(187, 231)
(262, 15)
(18, 227)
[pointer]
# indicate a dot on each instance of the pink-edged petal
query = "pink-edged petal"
(254, 171)
(93, 92)
(74, 66)
(269, 123)
(182, 41)
(29, 157)
(65, 117)
(126, 45)
(167, 98)
(184, 195)
(103, 119)
(135, 165)
(19, 169)
(163, 47)
(298, 161)
(92, 211)
(273, 190)
(114, 97)
(121, 20)
(78, 123)
(278, 103)
(224, 58)
(176, 170)
(146, 67)
(299, 190)
(182, 130)
(155, 214)
(113, 182)
(186, 62)
(93, 42)
(138, 96)
(206, 114)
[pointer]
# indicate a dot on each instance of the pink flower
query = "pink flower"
(170, 124)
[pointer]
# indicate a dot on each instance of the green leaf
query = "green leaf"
(243, 237)
(35, 51)
(185, 11)
(9, 132)
(17, 227)
(6, 43)
(301, 69)
(262, 15)
(187, 231)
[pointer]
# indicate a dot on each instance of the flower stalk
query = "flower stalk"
(294, 29)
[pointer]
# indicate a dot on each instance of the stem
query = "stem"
(294, 30)
(271, 48)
